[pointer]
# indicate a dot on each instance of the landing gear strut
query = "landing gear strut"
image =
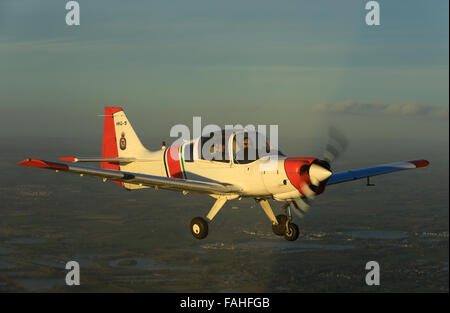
(199, 226)
(291, 233)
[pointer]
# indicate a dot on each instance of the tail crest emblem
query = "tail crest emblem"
(123, 142)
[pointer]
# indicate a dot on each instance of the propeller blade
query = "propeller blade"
(307, 191)
(302, 203)
(298, 212)
(337, 144)
(318, 172)
(300, 207)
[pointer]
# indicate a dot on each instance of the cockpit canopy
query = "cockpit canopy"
(240, 146)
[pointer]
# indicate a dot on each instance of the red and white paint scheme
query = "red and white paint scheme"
(293, 181)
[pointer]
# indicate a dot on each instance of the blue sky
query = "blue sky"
(228, 61)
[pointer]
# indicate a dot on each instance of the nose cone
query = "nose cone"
(318, 174)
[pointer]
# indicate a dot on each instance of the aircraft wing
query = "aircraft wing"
(345, 176)
(137, 178)
(101, 159)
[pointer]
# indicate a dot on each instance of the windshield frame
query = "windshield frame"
(251, 135)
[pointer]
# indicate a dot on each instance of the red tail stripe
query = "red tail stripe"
(109, 148)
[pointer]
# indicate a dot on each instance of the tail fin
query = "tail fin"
(119, 138)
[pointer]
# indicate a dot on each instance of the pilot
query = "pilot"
(219, 153)
(242, 153)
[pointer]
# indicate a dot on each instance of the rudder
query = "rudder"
(119, 138)
(109, 146)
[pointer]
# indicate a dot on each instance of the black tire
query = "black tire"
(199, 228)
(292, 232)
(280, 229)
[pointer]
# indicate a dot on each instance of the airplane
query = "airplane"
(186, 168)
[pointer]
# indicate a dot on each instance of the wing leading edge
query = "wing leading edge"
(351, 175)
(136, 178)
(100, 159)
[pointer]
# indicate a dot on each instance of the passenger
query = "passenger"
(219, 153)
(242, 153)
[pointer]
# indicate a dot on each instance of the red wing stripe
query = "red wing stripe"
(50, 165)
(44, 164)
(420, 163)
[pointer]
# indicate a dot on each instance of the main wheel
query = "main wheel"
(280, 229)
(291, 233)
(199, 228)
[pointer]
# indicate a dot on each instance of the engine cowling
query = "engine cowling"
(308, 175)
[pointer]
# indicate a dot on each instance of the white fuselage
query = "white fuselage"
(260, 178)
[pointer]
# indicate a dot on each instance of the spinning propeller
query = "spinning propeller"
(337, 143)
(319, 171)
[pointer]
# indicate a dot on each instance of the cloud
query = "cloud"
(440, 113)
(405, 109)
(395, 109)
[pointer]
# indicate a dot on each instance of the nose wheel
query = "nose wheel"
(286, 228)
(291, 233)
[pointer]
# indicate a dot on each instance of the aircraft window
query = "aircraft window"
(246, 148)
(213, 147)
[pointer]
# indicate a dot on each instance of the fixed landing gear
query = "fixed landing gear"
(280, 228)
(281, 225)
(285, 228)
(199, 228)
(199, 225)
(291, 233)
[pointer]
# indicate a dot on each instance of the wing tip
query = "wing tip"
(24, 162)
(43, 164)
(420, 163)
(33, 162)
